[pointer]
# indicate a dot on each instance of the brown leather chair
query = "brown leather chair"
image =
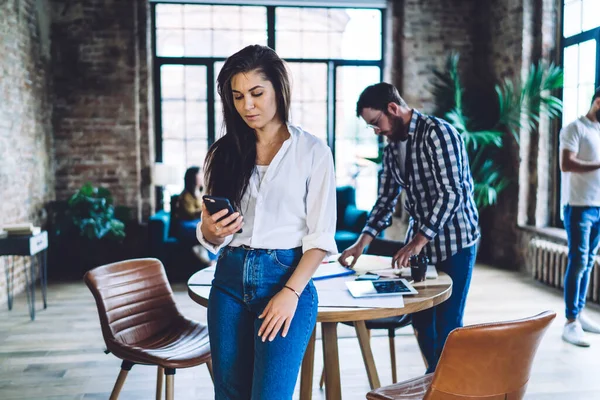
(141, 323)
(487, 361)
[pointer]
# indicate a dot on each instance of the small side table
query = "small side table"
(35, 247)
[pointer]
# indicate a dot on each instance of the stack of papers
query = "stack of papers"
(331, 270)
(370, 263)
(383, 266)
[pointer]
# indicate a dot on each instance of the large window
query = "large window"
(581, 65)
(332, 54)
(581, 52)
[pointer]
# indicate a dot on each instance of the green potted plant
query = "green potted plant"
(87, 231)
(520, 105)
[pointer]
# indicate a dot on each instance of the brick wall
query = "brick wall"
(505, 20)
(496, 39)
(100, 103)
(26, 157)
(524, 34)
(74, 106)
(430, 29)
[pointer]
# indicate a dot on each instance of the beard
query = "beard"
(399, 129)
(598, 116)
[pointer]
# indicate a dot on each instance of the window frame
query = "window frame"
(209, 62)
(578, 38)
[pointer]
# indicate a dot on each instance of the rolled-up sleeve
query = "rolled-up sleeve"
(209, 246)
(321, 203)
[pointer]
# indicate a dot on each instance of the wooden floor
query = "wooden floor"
(60, 355)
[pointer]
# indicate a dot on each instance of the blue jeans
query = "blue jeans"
(245, 367)
(435, 324)
(583, 232)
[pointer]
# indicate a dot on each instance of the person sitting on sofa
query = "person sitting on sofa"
(189, 209)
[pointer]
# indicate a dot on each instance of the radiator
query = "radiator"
(548, 262)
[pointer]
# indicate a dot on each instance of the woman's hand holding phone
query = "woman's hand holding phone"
(216, 231)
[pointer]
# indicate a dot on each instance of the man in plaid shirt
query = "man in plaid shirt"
(426, 157)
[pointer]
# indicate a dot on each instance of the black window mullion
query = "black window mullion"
(210, 106)
(209, 63)
(331, 98)
(157, 88)
(383, 33)
(189, 60)
(158, 190)
(338, 61)
(597, 83)
(581, 37)
(271, 27)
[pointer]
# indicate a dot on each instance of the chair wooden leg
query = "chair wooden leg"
(392, 337)
(159, 382)
(210, 370)
(170, 386)
(125, 368)
(322, 381)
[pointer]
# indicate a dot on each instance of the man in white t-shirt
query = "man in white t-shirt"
(580, 166)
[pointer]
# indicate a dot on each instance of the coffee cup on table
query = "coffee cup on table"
(418, 267)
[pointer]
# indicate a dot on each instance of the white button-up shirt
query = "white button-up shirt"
(295, 202)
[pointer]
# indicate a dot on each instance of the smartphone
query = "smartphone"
(369, 276)
(215, 204)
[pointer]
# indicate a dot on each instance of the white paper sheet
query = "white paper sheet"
(343, 299)
(331, 270)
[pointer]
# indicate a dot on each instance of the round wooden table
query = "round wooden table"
(431, 293)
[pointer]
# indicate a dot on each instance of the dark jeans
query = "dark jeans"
(583, 232)
(245, 367)
(434, 325)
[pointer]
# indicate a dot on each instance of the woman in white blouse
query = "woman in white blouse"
(263, 305)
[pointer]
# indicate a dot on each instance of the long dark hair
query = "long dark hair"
(190, 180)
(231, 159)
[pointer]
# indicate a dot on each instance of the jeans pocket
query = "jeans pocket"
(286, 258)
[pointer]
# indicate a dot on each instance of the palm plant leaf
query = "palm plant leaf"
(483, 138)
(521, 104)
(447, 89)
(489, 181)
(509, 103)
(457, 119)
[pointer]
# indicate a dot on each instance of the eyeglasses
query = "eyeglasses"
(375, 123)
